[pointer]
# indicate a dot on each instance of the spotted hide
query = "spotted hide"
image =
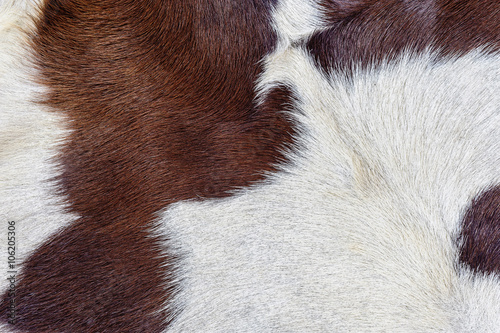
(249, 166)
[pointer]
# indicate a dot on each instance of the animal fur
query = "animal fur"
(250, 166)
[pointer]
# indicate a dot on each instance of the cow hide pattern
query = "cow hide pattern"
(249, 166)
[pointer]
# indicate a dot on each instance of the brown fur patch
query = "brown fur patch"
(89, 279)
(366, 32)
(161, 103)
(480, 234)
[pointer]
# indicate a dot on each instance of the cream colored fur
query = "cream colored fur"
(28, 143)
(358, 232)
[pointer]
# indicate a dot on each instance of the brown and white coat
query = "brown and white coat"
(250, 166)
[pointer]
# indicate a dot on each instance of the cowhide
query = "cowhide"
(252, 166)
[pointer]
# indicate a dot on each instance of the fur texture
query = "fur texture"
(359, 233)
(255, 166)
(29, 138)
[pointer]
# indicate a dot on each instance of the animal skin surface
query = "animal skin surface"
(249, 166)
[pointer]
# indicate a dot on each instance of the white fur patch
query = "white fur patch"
(28, 141)
(297, 19)
(357, 233)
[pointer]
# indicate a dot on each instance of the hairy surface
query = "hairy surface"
(359, 232)
(29, 138)
(251, 166)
